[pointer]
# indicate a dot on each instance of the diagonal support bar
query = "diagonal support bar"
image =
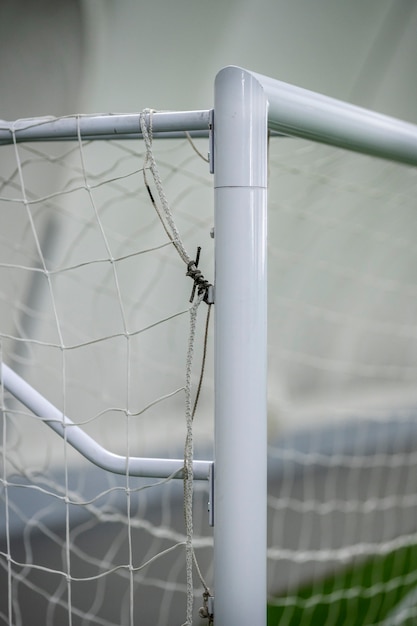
(86, 445)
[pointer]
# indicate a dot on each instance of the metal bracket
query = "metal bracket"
(209, 299)
(211, 141)
(211, 494)
(210, 607)
(207, 611)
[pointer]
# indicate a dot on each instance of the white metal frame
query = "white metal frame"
(246, 106)
(240, 183)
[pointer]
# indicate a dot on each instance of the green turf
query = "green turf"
(362, 594)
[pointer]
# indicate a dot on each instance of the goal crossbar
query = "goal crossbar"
(164, 124)
(292, 111)
(302, 113)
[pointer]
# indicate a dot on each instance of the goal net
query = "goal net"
(103, 312)
(95, 315)
(342, 414)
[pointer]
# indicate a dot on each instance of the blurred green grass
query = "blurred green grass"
(361, 594)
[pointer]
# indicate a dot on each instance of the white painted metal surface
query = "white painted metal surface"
(240, 174)
(302, 113)
(174, 123)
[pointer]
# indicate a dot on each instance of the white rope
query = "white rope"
(165, 215)
(188, 467)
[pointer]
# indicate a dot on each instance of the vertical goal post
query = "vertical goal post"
(247, 106)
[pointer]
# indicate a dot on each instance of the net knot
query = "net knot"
(203, 287)
(206, 611)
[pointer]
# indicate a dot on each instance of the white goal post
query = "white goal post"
(248, 107)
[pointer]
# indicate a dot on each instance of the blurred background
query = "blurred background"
(67, 56)
(342, 257)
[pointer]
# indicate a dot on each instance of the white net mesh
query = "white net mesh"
(94, 313)
(343, 444)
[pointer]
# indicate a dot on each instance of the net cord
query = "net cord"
(165, 215)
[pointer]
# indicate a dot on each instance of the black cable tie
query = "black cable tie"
(201, 285)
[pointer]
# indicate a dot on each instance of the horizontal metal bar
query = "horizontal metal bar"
(301, 113)
(178, 134)
(165, 124)
(86, 445)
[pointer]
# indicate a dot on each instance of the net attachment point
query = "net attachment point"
(210, 506)
(211, 141)
(207, 610)
(204, 289)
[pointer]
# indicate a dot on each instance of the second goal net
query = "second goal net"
(343, 440)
